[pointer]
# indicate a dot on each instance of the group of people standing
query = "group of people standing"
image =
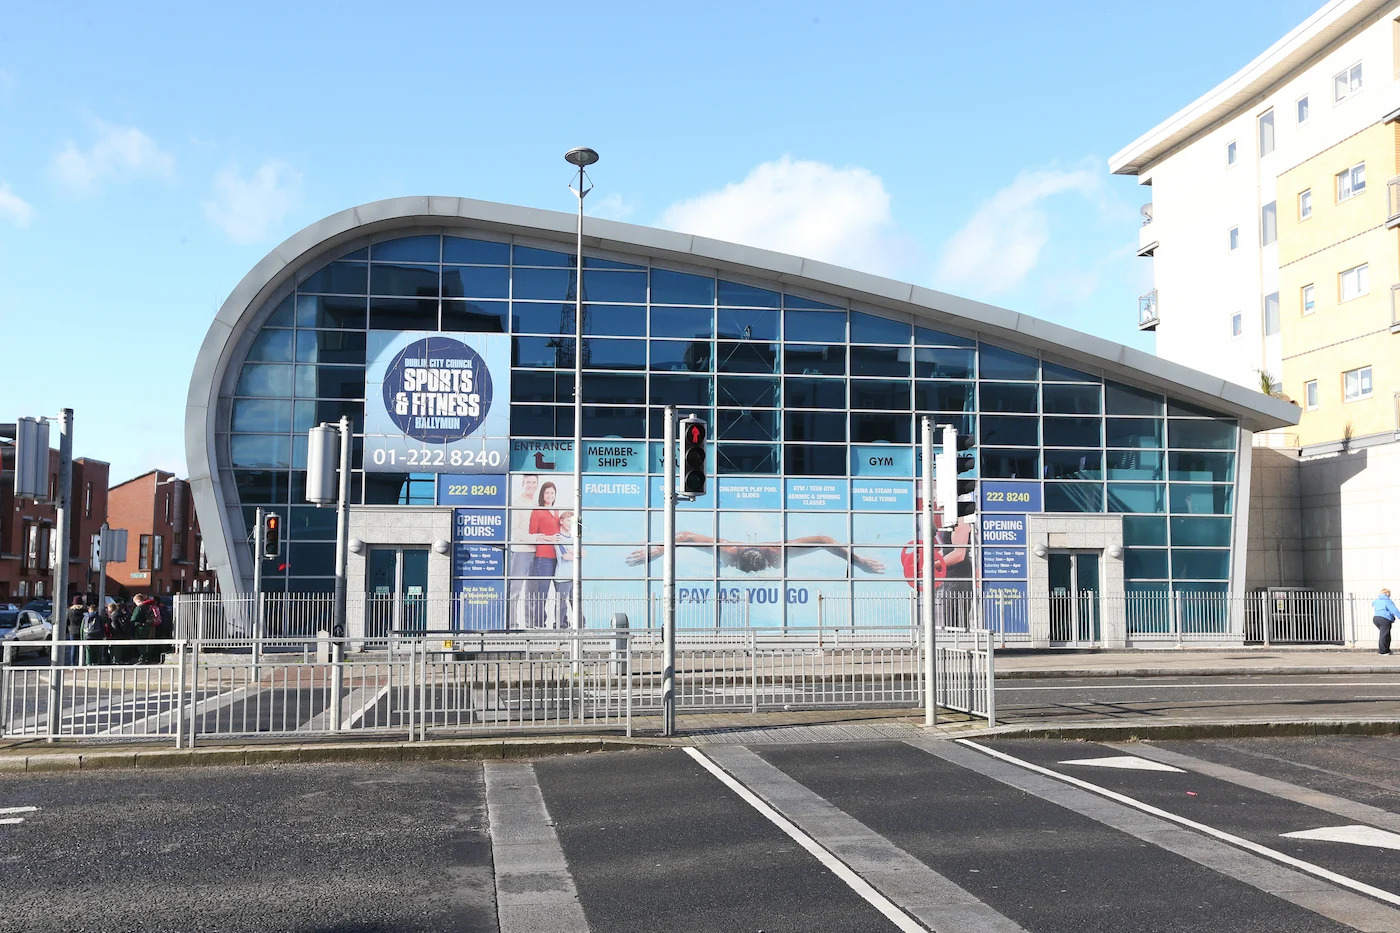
(542, 555)
(104, 631)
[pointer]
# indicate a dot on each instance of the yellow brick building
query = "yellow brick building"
(1339, 263)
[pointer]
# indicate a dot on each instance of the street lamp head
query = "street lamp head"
(582, 157)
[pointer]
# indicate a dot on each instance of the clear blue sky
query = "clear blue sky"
(150, 154)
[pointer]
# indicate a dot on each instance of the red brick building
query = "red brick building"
(27, 545)
(164, 550)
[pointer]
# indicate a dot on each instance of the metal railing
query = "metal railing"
(1147, 310)
(454, 683)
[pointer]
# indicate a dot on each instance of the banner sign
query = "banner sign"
(999, 563)
(821, 494)
(750, 492)
(1013, 496)
(541, 456)
(621, 492)
(615, 457)
(1004, 607)
(473, 561)
(434, 404)
(881, 460)
(882, 495)
(473, 526)
(470, 489)
(1004, 530)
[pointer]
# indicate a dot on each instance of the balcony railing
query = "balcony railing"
(1146, 212)
(1147, 311)
(1392, 199)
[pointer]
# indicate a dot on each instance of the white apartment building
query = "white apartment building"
(1210, 226)
(1273, 229)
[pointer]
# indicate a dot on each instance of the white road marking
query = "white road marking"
(6, 811)
(1274, 854)
(1356, 835)
(837, 867)
(12, 821)
(1125, 762)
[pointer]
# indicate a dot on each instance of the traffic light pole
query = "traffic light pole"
(668, 577)
(929, 581)
(258, 526)
(63, 520)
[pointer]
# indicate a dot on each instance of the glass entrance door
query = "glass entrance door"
(397, 583)
(1074, 597)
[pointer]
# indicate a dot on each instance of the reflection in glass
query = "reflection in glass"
(408, 281)
(330, 311)
(403, 314)
(747, 296)
(614, 422)
(1201, 467)
(1126, 400)
(271, 346)
(748, 324)
(1135, 464)
(609, 389)
(264, 379)
(1201, 499)
(746, 391)
(602, 353)
(1010, 431)
(748, 425)
(628, 287)
(681, 355)
(880, 361)
(1213, 435)
(530, 256)
(1200, 532)
(944, 363)
(1136, 497)
(1144, 530)
(997, 363)
(668, 389)
(407, 249)
(870, 328)
(541, 318)
(680, 288)
(814, 426)
(543, 284)
(815, 393)
(262, 415)
(824, 326)
(881, 427)
(1073, 464)
(884, 394)
(536, 352)
(331, 346)
(747, 357)
(1073, 432)
(1133, 432)
(1010, 464)
(479, 252)
(475, 282)
(1071, 399)
(682, 322)
(943, 396)
(338, 278)
(330, 382)
(1008, 396)
(1073, 497)
(481, 317)
(814, 460)
(615, 320)
(814, 360)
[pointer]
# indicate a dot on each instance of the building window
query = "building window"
(87, 500)
(1347, 83)
(157, 553)
(1356, 384)
(167, 508)
(1305, 205)
(1234, 238)
(143, 558)
(1236, 324)
(1266, 133)
(1310, 395)
(1271, 315)
(1309, 298)
(1303, 109)
(1231, 153)
(1268, 223)
(31, 546)
(1355, 282)
(1351, 182)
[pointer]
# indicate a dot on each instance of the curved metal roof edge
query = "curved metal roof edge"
(1268, 68)
(1255, 410)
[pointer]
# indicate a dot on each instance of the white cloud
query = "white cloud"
(14, 207)
(119, 152)
(837, 215)
(1002, 241)
(248, 209)
(613, 206)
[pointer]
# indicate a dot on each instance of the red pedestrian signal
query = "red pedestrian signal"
(693, 456)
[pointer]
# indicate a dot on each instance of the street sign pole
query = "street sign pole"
(342, 550)
(63, 518)
(668, 578)
(929, 582)
(99, 564)
(258, 524)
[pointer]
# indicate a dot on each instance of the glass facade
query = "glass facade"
(813, 407)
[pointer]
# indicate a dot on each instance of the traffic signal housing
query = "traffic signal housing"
(957, 496)
(693, 457)
(272, 534)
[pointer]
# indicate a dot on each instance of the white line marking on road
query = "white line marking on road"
(1356, 835)
(837, 867)
(1078, 685)
(369, 704)
(6, 811)
(1223, 836)
(12, 821)
(1124, 762)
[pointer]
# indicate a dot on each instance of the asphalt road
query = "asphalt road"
(988, 836)
(1219, 696)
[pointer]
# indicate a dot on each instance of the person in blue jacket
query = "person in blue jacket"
(1385, 613)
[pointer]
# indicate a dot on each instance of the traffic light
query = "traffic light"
(272, 534)
(957, 497)
(692, 457)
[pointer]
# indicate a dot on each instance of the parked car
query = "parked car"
(42, 606)
(30, 631)
(9, 612)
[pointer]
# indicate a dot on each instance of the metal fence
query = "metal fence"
(452, 683)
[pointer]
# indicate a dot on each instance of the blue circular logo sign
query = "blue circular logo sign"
(437, 390)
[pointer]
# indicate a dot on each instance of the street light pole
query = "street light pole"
(581, 157)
